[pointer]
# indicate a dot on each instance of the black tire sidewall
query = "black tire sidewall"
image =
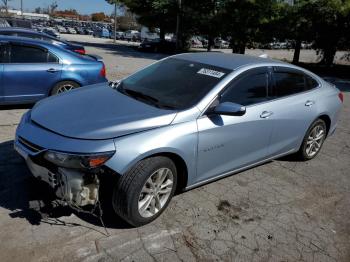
(132, 215)
(304, 144)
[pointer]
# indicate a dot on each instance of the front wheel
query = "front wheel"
(144, 192)
(313, 140)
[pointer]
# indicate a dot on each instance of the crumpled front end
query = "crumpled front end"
(78, 186)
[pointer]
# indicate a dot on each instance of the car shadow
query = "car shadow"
(28, 198)
(12, 107)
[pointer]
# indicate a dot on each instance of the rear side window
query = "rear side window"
(28, 54)
(288, 83)
(292, 82)
(248, 90)
(310, 82)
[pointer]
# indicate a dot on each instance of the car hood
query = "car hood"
(98, 112)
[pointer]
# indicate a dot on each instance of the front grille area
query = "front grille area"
(30, 146)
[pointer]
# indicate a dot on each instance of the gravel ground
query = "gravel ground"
(281, 211)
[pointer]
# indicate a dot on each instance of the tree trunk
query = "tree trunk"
(242, 48)
(297, 49)
(328, 55)
(161, 33)
(210, 43)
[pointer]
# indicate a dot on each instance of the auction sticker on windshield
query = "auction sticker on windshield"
(212, 73)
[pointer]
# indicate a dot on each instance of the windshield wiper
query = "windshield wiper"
(144, 97)
(138, 94)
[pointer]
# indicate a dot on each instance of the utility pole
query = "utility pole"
(115, 22)
(178, 23)
(22, 7)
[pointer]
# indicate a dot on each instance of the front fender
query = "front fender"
(179, 139)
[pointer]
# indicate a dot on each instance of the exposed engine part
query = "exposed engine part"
(77, 188)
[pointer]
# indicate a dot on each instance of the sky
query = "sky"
(82, 6)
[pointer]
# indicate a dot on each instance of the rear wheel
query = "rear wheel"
(64, 86)
(144, 192)
(313, 140)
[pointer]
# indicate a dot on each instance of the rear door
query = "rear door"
(30, 73)
(294, 103)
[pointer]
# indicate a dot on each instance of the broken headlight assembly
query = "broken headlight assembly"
(78, 161)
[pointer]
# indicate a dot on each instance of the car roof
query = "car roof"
(27, 40)
(228, 61)
(63, 53)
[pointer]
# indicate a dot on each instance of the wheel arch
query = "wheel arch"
(327, 120)
(181, 168)
(181, 165)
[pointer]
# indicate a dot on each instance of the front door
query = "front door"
(227, 143)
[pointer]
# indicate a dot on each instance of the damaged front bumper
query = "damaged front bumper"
(77, 187)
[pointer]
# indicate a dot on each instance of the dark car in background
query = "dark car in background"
(158, 45)
(29, 33)
(34, 69)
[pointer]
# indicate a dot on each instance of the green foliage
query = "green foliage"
(326, 23)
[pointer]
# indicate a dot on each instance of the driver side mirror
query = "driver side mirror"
(229, 109)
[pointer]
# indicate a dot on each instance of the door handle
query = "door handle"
(266, 114)
(309, 103)
(52, 70)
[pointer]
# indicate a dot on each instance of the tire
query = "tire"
(317, 129)
(129, 194)
(61, 85)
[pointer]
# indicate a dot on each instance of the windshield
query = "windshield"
(173, 83)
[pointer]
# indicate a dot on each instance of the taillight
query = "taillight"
(80, 51)
(341, 97)
(103, 71)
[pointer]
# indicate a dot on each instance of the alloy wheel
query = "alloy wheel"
(65, 88)
(315, 140)
(155, 192)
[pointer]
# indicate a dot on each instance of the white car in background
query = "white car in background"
(71, 30)
(132, 35)
(220, 43)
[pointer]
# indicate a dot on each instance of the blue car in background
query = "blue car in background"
(101, 32)
(33, 69)
(29, 33)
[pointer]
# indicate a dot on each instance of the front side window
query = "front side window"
(248, 90)
(28, 54)
(173, 83)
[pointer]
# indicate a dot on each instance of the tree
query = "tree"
(53, 7)
(38, 10)
(5, 2)
(331, 26)
(155, 14)
(245, 21)
(204, 18)
(98, 16)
